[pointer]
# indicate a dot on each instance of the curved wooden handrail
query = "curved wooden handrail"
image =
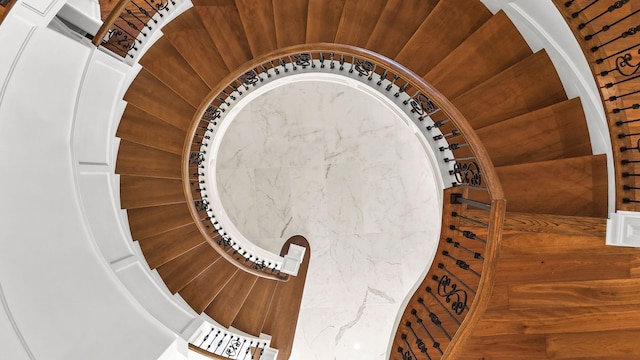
(109, 21)
(489, 175)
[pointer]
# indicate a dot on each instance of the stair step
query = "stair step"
(189, 36)
(151, 95)
(323, 20)
(516, 222)
(427, 47)
(251, 317)
(178, 272)
(207, 285)
(539, 268)
(528, 85)
(576, 319)
(259, 25)
(224, 25)
(165, 63)
(137, 191)
(226, 305)
(554, 132)
(397, 23)
(358, 20)
(140, 160)
(290, 20)
(610, 345)
(573, 186)
(491, 49)
(568, 295)
(164, 247)
(145, 129)
(149, 221)
(505, 346)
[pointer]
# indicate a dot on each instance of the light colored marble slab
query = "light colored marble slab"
(330, 163)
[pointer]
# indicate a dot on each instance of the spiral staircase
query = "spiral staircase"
(558, 293)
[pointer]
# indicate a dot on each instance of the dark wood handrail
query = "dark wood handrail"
(489, 175)
(109, 21)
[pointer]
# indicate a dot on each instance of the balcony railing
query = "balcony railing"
(129, 23)
(609, 33)
(459, 281)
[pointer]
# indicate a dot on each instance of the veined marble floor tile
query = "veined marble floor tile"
(328, 162)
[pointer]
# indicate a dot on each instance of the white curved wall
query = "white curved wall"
(60, 298)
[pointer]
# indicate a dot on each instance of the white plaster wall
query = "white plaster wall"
(60, 299)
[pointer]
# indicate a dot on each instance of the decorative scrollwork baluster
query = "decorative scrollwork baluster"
(467, 173)
(448, 290)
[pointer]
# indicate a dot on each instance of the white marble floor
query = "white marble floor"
(329, 162)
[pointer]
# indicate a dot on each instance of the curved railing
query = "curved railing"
(609, 33)
(129, 23)
(220, 343)
(466, 258)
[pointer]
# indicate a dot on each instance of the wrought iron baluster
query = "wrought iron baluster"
(608, 26)
(575, 14)
(455, 214)
(393, 82)
(476, 255)
(616, 5)
(461, 263)
(453, 132)
(434, 318)
(630, 32)
(419, 342)
(404, 337)
(443, 267)
(460, 302)
(435, 344)
(467, 173)
(457, 198)
(430, 291)
(632, 107)
(144, 23)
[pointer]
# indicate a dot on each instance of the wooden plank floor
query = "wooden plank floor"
(560, 296)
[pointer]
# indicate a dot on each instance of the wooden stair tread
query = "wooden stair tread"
(397, 23)
(136, 124)
(151, 95)
(449, 17)
(546, 223)
(323, 19)
(139, 160)
(259, 25)
(358, 21)
(494, 47)
(554, 132)
(178, 272)
(207, 285)
(290, 20)
(604, 294)
(539, 268)
(226, 305)
(222, 20)
(189, 36)
(149, 221)
(137, 191)
(164, 247)
(251, 317)
(573, 186)
(544, 243)
(526, 86)
(577, 319)
(166, 63)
